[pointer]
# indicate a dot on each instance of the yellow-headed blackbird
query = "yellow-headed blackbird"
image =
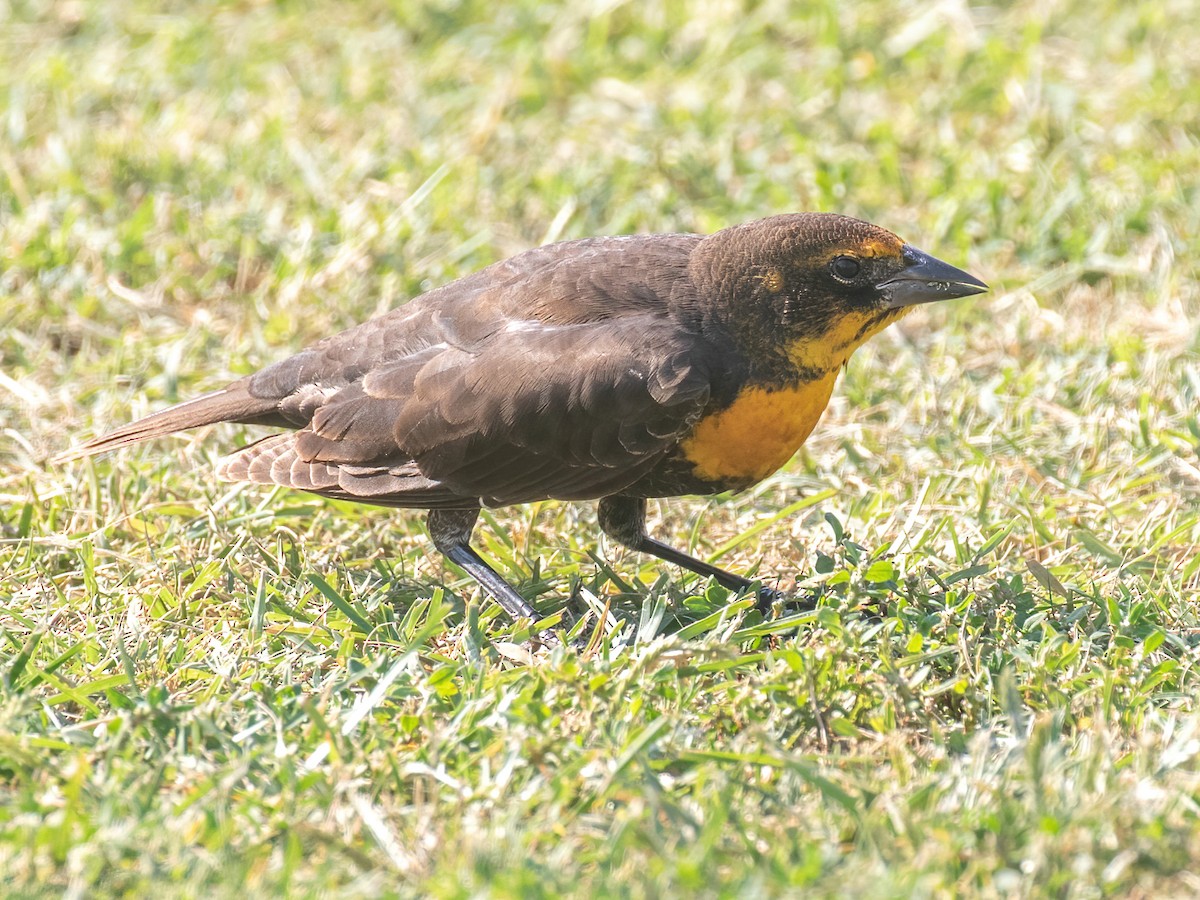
(617, 368)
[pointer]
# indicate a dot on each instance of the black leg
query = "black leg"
(624, 520)
(450, 530)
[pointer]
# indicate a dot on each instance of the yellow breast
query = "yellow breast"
(758, 432)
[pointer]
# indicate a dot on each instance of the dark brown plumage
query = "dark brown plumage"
(617, 368)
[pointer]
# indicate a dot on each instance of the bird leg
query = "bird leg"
(624, 520)
(450, 530)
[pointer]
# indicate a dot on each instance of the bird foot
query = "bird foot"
(769, 598)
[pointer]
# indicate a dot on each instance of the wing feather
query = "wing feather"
(563, 372)
(566, 412)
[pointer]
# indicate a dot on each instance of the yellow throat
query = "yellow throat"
(764, 426)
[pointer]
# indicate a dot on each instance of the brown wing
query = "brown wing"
(566, 412)
(591, 281)
(583, 282)
(563, 372)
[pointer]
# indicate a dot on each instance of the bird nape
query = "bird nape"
(610, 368)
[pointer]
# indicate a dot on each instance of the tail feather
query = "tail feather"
(276, 460)
(273, 460)
(230, 404)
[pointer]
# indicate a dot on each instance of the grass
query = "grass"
(216, 691)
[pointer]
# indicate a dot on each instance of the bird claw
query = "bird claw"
(769, 598)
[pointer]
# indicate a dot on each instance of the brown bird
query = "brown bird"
(610, 368)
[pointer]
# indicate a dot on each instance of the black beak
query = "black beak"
(925, 279)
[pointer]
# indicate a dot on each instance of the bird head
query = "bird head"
(810, 288)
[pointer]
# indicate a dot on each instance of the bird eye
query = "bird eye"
(844, 268)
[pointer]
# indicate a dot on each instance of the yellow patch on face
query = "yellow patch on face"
(759, 432)
(829, 351)
(773, 281)
(885, 245)
(888, 245)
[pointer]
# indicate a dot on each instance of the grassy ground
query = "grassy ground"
(218, 691)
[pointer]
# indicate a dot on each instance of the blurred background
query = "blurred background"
(218, 164)
(189, 191)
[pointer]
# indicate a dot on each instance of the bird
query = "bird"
(612, 368)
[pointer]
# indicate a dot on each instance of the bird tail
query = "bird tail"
(230, 404)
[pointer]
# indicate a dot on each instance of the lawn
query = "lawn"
(227, 691)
